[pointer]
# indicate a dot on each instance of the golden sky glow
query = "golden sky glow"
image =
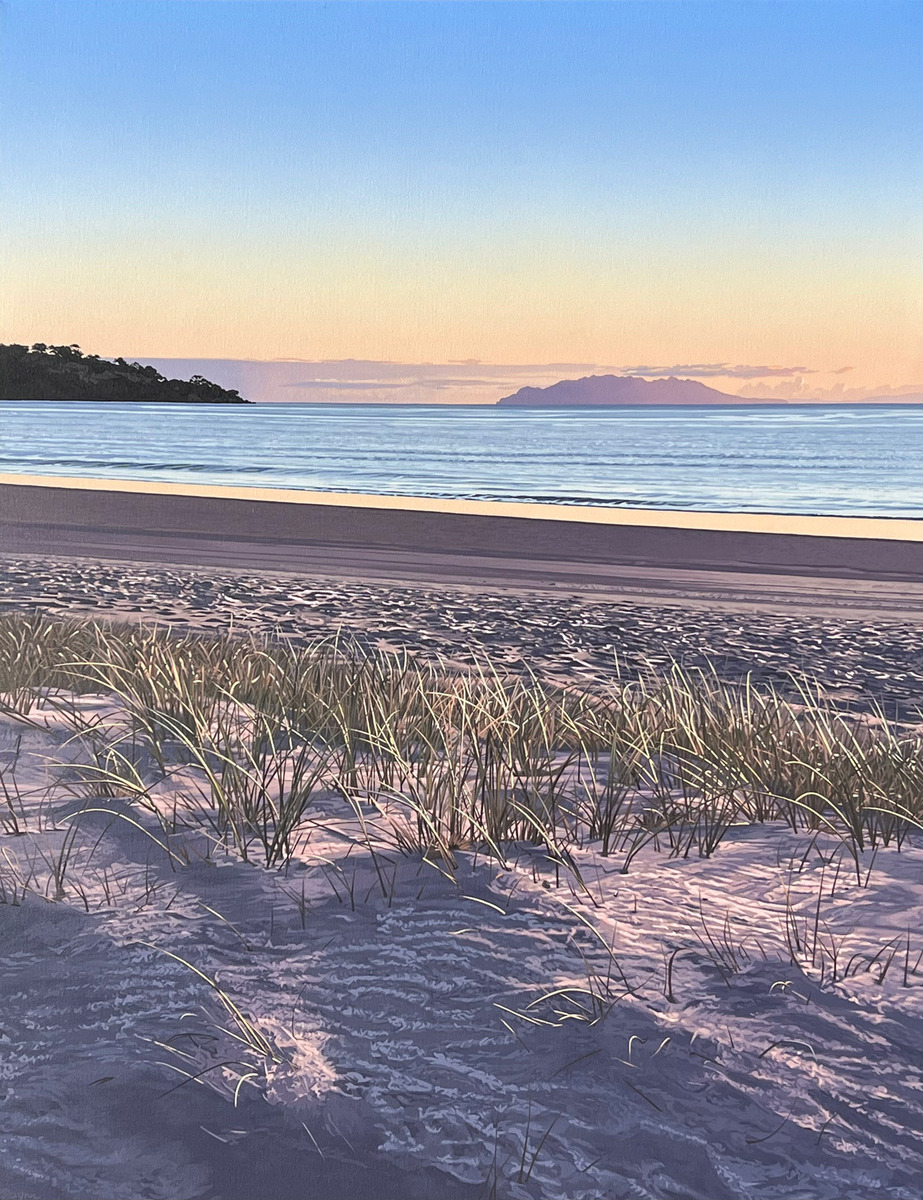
(607, 183)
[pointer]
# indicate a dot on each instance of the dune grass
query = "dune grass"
(444, 759)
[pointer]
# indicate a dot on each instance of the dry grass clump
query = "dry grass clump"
(33, 651)
(443, 759)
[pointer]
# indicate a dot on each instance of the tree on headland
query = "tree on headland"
(42, 372)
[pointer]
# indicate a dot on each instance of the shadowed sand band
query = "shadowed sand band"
(399, 537)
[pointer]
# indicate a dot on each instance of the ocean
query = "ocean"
(844, 459)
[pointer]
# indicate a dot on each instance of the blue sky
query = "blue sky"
(607, 182)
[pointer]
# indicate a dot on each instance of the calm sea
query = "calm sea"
(848, 459)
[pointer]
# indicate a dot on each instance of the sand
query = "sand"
(860, 657)
(441, 539)
(405, 1057)
(410, 1051)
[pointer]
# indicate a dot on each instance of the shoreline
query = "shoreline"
(796, 524)
(406, 536)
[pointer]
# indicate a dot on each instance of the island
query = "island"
(597, 391)
(41, 372)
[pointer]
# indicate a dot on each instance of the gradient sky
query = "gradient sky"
(616, 183)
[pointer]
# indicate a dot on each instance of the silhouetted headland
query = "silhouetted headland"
(41, 372)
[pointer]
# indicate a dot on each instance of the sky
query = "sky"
(728, 191)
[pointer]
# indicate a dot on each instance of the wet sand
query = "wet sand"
(399, 536)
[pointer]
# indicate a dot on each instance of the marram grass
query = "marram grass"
(444, 759)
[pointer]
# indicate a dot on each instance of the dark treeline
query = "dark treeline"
(43, 372)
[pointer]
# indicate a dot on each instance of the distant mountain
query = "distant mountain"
(43, 372)
(597, 391)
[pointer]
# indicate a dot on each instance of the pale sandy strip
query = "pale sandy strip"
(875, 528)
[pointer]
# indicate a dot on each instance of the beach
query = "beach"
(573, 595)
(739, 1023)
(444, 538)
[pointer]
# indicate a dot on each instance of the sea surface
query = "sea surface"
(849, 459)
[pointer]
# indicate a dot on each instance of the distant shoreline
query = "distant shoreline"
(896, 402)
(79, 400)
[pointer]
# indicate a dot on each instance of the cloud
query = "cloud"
(710, 370)
(374, 369)
(799, 389)
(344, 385)
(439, 384)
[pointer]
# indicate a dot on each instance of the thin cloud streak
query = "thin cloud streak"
(800, 389)
(713, 370)
(371, 384)
(344, 385)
